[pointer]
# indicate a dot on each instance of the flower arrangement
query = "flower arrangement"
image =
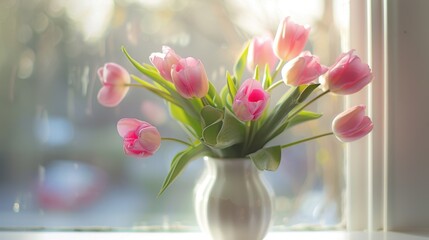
(237, 121)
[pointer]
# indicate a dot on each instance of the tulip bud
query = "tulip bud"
(261, 53)
(348, 75)
(250, 100)
(290, 39)
(190, 78)
(302, 70)
(164, 61)
(352, 124)
(141, 139)
(114, 79)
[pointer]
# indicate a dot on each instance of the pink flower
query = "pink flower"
(302, 70)
(114, 79)
(348, 75)
(250, 100)
(141, 139)
(164, 61)
(190, 78)
(290, 39)
(261, 53)
(352, 124)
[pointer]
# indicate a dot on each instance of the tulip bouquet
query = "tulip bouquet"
(239, 121)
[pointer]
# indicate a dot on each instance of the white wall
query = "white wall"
(407, 69)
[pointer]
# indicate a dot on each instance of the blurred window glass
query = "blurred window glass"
(61, 159)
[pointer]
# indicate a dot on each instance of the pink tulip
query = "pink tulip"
(261, 53)
(114, 79)
(190, 78)
(290, 39)
(348, 75)
(140, 138)
(250, 100)
(352, 124)
(302, 70)
(164, 61)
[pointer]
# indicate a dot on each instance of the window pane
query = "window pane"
(61, 159)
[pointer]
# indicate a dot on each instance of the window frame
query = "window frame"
(387, 190)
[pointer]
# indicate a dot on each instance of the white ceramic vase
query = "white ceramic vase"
(232, 200)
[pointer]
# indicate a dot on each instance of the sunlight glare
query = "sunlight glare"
(91, 17)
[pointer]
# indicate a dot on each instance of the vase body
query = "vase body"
(232, 201)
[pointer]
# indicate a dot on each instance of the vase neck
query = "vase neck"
(234, 166)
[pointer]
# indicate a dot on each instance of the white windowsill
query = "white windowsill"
(331, 235)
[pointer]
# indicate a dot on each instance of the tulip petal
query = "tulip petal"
(303, 69)
(140, 138)
(114, 79)
(190, 78)
(261, 53)
(150, 138)
(164, 61)
(250, 100)
(350, 117)
(114, 73)
(347, 75)
(352, 124)
(126, 125)
(290, 39)
(359, 131)
(111, 96)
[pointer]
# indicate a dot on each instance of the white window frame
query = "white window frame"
(387, 172)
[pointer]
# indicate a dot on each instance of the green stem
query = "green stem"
(251, 136)
(134, 85)
(246, 137)
(308, 103)
(278, 68)
(274, 85)
(176, 140)
(305, 140)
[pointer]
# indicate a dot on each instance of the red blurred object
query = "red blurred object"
(69, 185)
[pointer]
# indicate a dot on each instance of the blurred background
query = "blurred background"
(61, 159)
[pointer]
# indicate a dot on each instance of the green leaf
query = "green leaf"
(267, 80)
(226, 98)
(256, 73)
(179, 162)
(210, 134)
(191, 124)
(282, 108)
(270, 127)
(214, 96)
(306, 90)
(267, 158)
(240, 64)
(211, 115)
(231, 85)
(212, 122)
(156, 90)
(150, 67)
(288, 102)
(303, 116)
(221, 129)
(232, 131)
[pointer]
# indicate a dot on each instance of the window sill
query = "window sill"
(330, 235)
